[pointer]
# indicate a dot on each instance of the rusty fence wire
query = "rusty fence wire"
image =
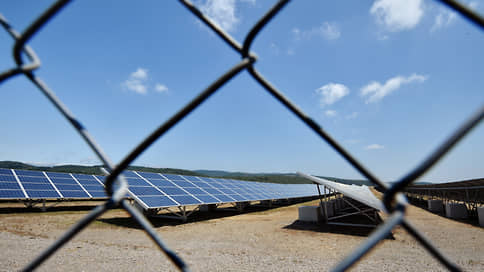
(394, 201)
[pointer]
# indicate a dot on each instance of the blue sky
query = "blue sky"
(389, 79)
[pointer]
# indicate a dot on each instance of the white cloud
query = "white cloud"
(138, 82)
(140, 74)
(473, 5)
(397, 15)
(443, 19)
(353, 115)
(222, 12)
(331, 93)
(447, 16)
(274, 49)
(374, 147)
(330, 31)
(327, 30)
(375, 91)
(135, 85)
(330, 113)
(160, 88)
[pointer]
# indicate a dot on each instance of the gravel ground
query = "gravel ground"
(257, 241)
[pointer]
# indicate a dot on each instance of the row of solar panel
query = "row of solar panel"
(151, 190)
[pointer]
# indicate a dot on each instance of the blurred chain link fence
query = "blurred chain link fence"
(394, 201)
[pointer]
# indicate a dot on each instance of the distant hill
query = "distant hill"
(90, 170)
(284, 178)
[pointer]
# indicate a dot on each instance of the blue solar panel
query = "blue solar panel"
(84, 177)
(68, 187)
(137, 182)
(225, 198)
(5, 171)
(157, 201)
(98, 194)
(58, 175)
(160, 182)
(207, 199)
(194, 191)
(63, 181)
(145, 191)
(75, 194)
(85, 182)
(33, 179)
(29, 173)
(128, 174)
(94, 187)
(10, 178)
(42, 194)
(238, 197)
(191, 178)
(150, 175)
(175, 189)
(173, 177)
(227, 191)
(203, 185)
(213, 191)
(172, 191)
(182, 183)
(37, 186)
(9, 185)
(206, 179)
(185, 200)
(5, 194)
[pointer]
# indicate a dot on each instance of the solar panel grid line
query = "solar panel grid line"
(145, 179)
(181, 197)
(195, 186)
(53, 185)
(204, 190)
(19, 183)
(228, 190)
(221, 195)
(82, 187)
(98, 180)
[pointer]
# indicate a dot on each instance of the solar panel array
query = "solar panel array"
(26, 184)
(151, 190)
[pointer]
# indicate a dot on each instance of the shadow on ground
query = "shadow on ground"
(197, 216)
(12, 210)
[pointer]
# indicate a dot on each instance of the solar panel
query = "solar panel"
(360, 193)
(152, 190)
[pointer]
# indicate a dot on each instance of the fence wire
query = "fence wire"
(393, 200)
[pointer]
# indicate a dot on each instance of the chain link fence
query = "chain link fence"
(393, 200)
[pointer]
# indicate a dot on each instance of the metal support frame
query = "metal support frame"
(32, 203)
(182, 213)
(337, 195)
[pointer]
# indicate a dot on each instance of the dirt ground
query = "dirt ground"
(260, 240)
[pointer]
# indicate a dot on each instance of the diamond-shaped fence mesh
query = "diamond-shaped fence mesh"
(394, 201)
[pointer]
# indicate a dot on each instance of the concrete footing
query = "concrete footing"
(435, 205)
(456, 210)
(310, 213)
(480, 214)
